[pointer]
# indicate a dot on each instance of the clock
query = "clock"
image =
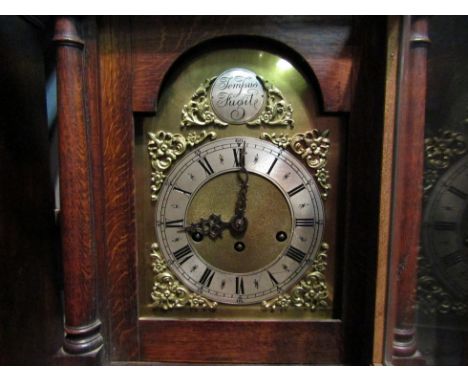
(221, 202)
(238, 189)
(218, 231)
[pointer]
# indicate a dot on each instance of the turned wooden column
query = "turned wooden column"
(82, 326)
(408, 180)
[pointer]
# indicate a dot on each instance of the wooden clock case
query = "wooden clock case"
(110, 72)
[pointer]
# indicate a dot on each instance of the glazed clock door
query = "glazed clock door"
(427, 295)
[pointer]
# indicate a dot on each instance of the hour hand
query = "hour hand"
(212, 227)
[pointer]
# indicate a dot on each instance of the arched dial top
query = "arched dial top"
(445, 231)
(274, 196)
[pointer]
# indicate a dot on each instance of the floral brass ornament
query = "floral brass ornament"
(432, 298)
(164, 148)
(281, 140)
(440, 151)
(168, 293)
(198, 113)
(312, 147)
(310, 293)
(277, 112)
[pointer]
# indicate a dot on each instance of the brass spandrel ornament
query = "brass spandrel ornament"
(310, 293)
(168, 293)
(164, 148)
(312, 147)
(278, 112)
(198, 112)
(440, 151)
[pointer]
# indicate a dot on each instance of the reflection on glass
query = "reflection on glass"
(442, 291)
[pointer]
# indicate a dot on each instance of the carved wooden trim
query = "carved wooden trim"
(393, 47)
(329, 58)
(84, 339)
(407, 201)
(82, 326)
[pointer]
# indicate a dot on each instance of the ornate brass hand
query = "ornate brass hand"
(213, 227)
(239, 221)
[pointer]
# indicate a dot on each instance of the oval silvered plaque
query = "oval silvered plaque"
(237, 96)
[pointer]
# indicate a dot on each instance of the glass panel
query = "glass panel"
(442, 285)
(427, 311)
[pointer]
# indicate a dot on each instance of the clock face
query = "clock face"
(239, 220)
(445, 232)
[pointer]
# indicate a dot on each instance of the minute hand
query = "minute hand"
(241, 203)
(238, 221)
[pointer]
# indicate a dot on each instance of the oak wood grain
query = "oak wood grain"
(117, 142)
(91, 81)
(323, 43)
(245, 342)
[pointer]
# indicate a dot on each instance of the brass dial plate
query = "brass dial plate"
(178, 91)
(218, 195)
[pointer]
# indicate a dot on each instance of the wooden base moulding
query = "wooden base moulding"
(275, 342)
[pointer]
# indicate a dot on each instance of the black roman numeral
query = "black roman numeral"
(458, 192)
(305, 222)
(183, 254)
(175, 224)
(453, 258)
(183, 191)
(207, 277)
(272, 165)
(445, 226)
(296, 190)
(272, 278)
(206, 166)
(295, 254)
(239, 285)
(237, 157)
